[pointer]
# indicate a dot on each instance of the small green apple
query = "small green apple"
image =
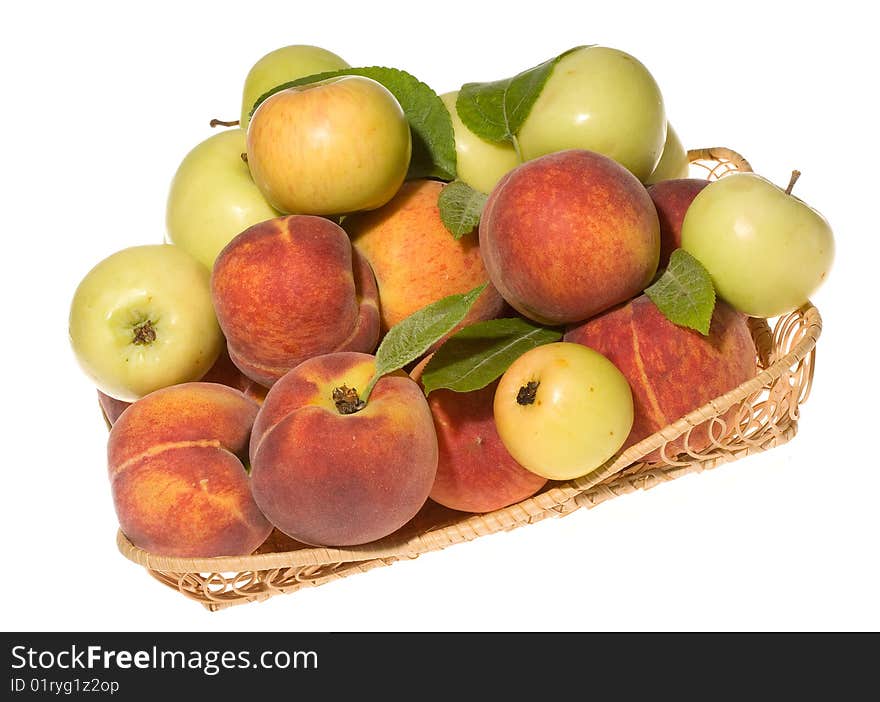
(282, 66)
(562, 410)
(142, 319)
(674, 163)
(481, 163)
(766, 250)
(213, 197)
(333, 147)
(602, 100)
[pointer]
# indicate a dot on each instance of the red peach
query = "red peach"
(475, 473)
(329, 478)
(568, 235)
(671, 199)
(672, 370)
(178, 484)
(291, 288)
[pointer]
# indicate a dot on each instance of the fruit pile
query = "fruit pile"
(373, 296)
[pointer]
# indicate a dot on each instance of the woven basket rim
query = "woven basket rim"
(527, 510)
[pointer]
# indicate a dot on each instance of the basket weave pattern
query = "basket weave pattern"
(758, 415)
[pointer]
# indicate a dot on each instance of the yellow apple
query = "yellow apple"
(213, 197)
(766, 250)
(142, 319)
(562, 410)
(674, 163)
(481, 163)
(282, 66)
(602, 100)
(332, 147)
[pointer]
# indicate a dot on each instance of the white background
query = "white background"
(101, 102)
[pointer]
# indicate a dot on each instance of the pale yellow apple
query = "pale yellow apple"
(562, 410)
(766, 250)
(142, 319)
(481, 163)
(332, 147)
(282, 66)
(674, 163)
(213, 197)
(602, 100)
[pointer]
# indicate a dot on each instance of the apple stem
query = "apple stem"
(794, 178)
(244, 156)
(224, 123)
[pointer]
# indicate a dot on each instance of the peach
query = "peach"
(111, 407)
(671, 199)
(416, 259)
(178, 483)
(223, 371)
(329, 472)
(475, 473)
(569, 235)
(672, 370)
(291, 288)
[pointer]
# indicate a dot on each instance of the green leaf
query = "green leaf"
(684, 293)
(481, 352)
(413, 336)
(460, 207)
(433, 139)
(495, 111)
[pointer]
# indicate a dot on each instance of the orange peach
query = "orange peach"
(415, 258)
(475, 473)
(569, 235)
(178, 482)
(291, 288)
(672, 370)
(329, 472)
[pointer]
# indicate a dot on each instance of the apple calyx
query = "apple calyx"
(144, 333)
(794, 179)
(223, 123)
(527, 393)
(347, 400)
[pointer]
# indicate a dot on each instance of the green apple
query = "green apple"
(281, 66)
(481, 163)
(213, 197)
(333, 147)
(142, 319)
(602, 100)
(766, 250)
(674, 163)
(562, 410)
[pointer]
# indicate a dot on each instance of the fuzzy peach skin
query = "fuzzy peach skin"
(671, 199)
(672, 370)
(178, 484)
(223, 371)
(568, 235)
(331, 479)
(475, 473)
(291, 288)
(416, 259)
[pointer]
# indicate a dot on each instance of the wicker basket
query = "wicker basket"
(765, 415)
